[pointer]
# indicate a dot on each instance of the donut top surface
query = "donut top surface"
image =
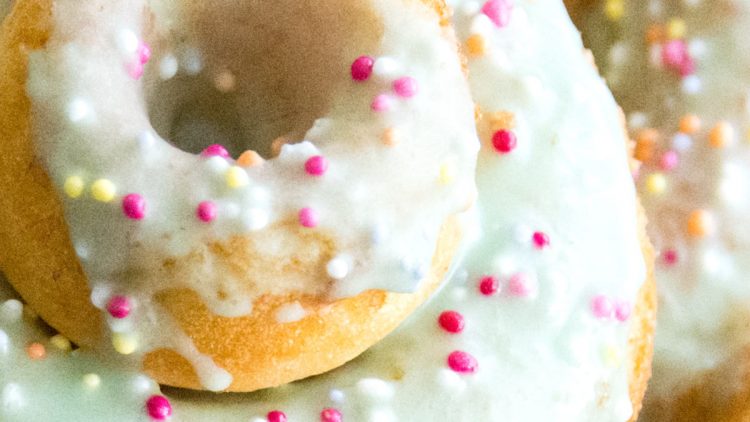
(534, 323)
(680, 72)
(376, 148)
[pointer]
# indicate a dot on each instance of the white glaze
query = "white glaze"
(541, 357)
(705, 295)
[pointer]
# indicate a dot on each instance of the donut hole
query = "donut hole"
(252, 75)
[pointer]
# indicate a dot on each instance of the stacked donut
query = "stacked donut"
(219, 269)
(679, 71)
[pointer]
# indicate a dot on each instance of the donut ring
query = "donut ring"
(231, 351)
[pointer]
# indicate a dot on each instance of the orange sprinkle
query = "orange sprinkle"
(476, 45)
(689, 124)
(644, 145)
(250, 158)
(721, 135)
(699, 224)
(390, 137)
(36, 351)
(655, 34)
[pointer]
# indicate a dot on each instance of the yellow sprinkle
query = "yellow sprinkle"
(447, 174)
(73, 186)
(612, 356)
(721, 135)
(124, 343)
(62, 343)
(676, 29)
(476, 45)
(91, 380)
(236, 177)
(103, 190)
(700, 224)
(656, 183)
(614, 9)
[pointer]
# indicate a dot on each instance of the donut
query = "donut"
(218, 268)
(678, 70)
(548, 314)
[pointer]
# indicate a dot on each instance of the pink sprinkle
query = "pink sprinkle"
(308, 217)
(602, 307)
(541, 240)
(134, 206)
(135, 69)
(331, 415)
(206, 211)
(498, 11)
(670, 257)
(669, 160)
(675, 56)
(276, 416)
(316, 165)
(362, 68)
(452, 321)
(406, 87)
(119, 307)
(462, 362)
(623, 309)
(144, 52)
(489, 285)
(381, 103)
(519, 285)
(504, 141)
(158, 408)
(215, 150)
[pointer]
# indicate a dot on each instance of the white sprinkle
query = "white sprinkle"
(735, 187)
(692, 84)
(337, 396)
(385, 67)
(168, 67)
(697, 48)
(100, 295)
(216, 164)
(637, 120)
(12, 397)
(450, 380)
(127, 41)
(291, 312)
(470, 8)
(459, 294)
(78, 110)
(91, 381)
(338, 267)
(4, 343)
(192, 61)
(142, 384)
(375, 389)
(618, 54)
(255, 219)
(258, 419)
(145, 140)
(123, 325)
(682, 142)
(11, 310)
(82, 251)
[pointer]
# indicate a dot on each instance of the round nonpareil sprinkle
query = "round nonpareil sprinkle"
(462, 362)
(308, 217)
(158, 408)
(206, 211)
(236, 177)
(73, 186)
(331, 415)
(316, 165)
(103, 190)
(134, 206)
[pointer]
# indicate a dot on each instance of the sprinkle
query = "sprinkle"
(73, 186)
(675, 56)
(520, 285)
(134, 206)
(540, 239)
(476, 45)
(255, 219)
(644, 147)
(276, 416)
(498, 11)
(215, 150)
(700, 224)
(670, 257)
(119, 307)
(308, 217)
(614, 10)
(144, 52)
(91, 381)
(682, 142)
(489, 285)
(225, 81)
(158, 408)
(381, 103)
(337, 268)
(504, 141)
(206, 211)
(316, 165)
(602, 307)
(134, 69)
(676, 28)
(655, 34)
(690, 124)
(11, 310)
(447, 173)
(405, 87)
(61, 342)
(390, 137)
(124, 343)
(4, 342)
(452, 321)
(36, 351)
(362, 68)
(669, 161)
(721, 135)
(78, 110)
(250, 159)
(331, 415)
(103, 190)
(462, 362)
(236, 177)
(623, 309)
(168, 67)
(385, 67)
(656, 183)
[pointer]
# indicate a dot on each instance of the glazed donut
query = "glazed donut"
(231, 274)
(679, 71)
(549, 316)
